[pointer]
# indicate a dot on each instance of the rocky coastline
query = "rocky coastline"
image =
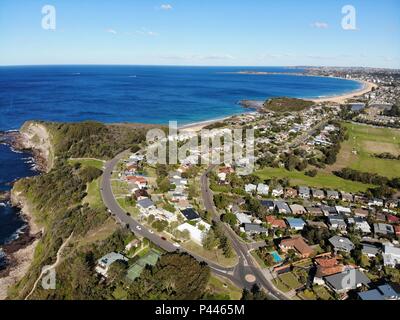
(19, 253)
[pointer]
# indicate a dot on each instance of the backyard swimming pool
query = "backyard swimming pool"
(276, 256)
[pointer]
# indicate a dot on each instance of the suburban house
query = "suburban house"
(140, 181)
(304, 192)
(343, 210)
(290, 193)
(145, 205)
(276, 223)
(340, 283)
(196, 232)
(383, 292)
(326, 265)
(315, 211)
(190, 214)
(104, 263)
(250, 188)
(298, 244)
(269, 204)
(341, 244)
(177, 196)
(337, 222)
(392, 219)
(295, 223)
(140, 194)
(391, 256)
(397, 230)
(362, 225)
(252, 228)
(360, 212)
(297, 209)
(370, 250)
(375, 203)
(277, 191)
(327, 210)
(243, 218)
(347, 197)
(262, 189)
(332, 195)
(318, 194)
(282, 207)
(383, 229)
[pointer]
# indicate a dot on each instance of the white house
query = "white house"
(262, 189)
(249, 188)
(196, 234)
(363, 226)
(391, 256)
(343, 210)
(243, 218)
(277, 191)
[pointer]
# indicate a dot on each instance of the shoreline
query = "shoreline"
(341, 98)
(367, 87)
(19, 253)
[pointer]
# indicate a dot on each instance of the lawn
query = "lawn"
(323, 179)
(322, 293)
(134, 211)
(290, 280)
(88, 162)
(93, 197)
(213, 255)
(223, 287)
(119, 188)
(365, 141)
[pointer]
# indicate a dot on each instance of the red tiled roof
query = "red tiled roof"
(327, 261)
(397, 230)
(274, 222)
(299, 244)
(393, 219)
(136, 179)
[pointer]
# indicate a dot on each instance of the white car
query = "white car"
(151, 231)
(139, 228)
(176, 245)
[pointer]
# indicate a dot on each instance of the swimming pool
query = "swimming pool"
(276, 256)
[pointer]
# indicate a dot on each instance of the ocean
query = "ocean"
(147, 94)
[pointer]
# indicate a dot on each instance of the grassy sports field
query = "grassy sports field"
(365, 141)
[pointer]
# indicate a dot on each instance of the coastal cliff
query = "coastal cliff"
(36, 137)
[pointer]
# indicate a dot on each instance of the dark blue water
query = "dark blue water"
(145, 94)
(133, 94)
(13, 166)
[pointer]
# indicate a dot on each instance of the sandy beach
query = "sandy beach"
(367, 87)
(197, 126)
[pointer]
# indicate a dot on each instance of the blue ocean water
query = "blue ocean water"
(147, 94)
(13, 165)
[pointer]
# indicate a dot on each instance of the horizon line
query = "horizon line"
(197, 66)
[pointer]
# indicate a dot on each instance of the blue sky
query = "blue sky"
(201, 32)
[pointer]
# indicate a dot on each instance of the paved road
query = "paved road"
(246, 265)
(137, 228)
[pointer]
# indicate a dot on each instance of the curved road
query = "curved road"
(137, 228)
(246, 265)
